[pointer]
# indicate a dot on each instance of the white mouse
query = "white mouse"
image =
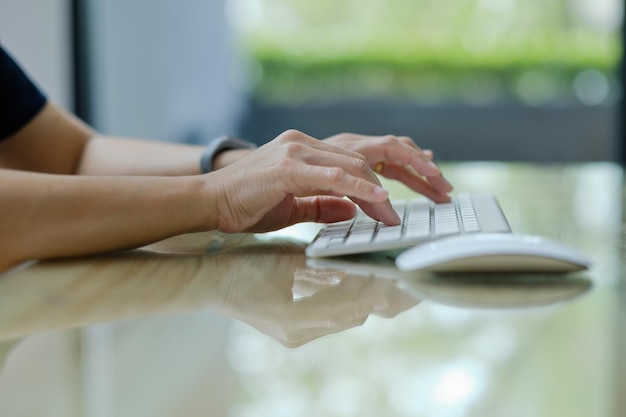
(497, 252)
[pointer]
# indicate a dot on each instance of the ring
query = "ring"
(378, 168)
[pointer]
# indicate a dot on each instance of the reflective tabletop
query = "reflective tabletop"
(245, 325)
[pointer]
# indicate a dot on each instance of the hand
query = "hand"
(297, 178)
(399, 158)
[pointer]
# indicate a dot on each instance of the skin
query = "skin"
(68, 191)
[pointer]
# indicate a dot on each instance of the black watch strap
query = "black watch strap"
(217, 145)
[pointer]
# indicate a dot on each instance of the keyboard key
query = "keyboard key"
(417, 233)
(321, 242)
(388, 234)
(358, 239)
(335, 241)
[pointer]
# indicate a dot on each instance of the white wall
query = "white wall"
(162, 69)
(38, 34)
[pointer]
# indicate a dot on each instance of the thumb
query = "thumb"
(322, 209)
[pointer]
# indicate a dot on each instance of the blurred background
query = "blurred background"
(533, 80)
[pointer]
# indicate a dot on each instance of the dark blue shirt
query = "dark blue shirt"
(20, 99)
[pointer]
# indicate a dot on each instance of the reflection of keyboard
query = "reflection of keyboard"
(422, 220)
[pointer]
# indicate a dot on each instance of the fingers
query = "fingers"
(322, 209)
(394, 157)
(335, 171)
(435, 188)
(399, 158)
(297, 178)
(403, 151)
(428, 182)
(372, 198)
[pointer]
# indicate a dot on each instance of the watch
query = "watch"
(222, 143)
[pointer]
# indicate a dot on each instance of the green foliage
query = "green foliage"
(414, 49)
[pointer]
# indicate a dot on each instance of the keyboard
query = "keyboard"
(422, 220)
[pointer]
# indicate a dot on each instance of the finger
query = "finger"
(380, 212)
(333, 156)
(406, 155)
(308, 142)
(403, 150)
(338, 161)
(322, 209)
(336, 180)
(389, 148)
(440, 183)
(332, 170)
(436, 188)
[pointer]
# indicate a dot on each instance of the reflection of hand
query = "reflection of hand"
(398, 158)
(316, 283)
(333, 302)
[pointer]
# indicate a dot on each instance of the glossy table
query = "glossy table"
(247, 326)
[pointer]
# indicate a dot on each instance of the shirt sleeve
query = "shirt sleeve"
(20, 99)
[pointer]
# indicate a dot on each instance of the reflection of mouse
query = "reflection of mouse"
(501, 252)
(506, 290)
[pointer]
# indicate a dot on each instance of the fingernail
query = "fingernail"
(433, 165)
(380, 191)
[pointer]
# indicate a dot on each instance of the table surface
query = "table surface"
(245, 326)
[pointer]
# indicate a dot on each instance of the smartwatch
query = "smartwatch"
(218, 145)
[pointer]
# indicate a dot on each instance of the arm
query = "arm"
(134, 193)
(46, 212)
(50, 216)
(55, 141)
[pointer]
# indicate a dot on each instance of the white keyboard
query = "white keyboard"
(422, 220)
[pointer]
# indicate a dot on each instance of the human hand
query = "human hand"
(297, 178)
(399, 158)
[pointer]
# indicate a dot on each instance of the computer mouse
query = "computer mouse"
(492, 252)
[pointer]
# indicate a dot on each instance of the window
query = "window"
(473, 79)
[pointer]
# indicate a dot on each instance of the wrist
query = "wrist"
(208, 162)
(229, 156)
(201, 208)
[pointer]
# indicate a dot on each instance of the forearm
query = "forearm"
(104, 155)
(123, 156)
(57, 142)
(49, 216)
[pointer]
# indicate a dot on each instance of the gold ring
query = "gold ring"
(378, 168)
